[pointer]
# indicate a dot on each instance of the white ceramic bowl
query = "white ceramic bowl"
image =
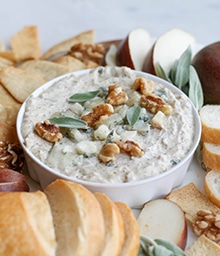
(135, 194)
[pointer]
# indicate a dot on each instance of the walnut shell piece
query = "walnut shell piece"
(48, 131)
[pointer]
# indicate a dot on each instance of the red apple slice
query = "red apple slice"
(166, 49)
(133, 49)
(163, 219)
(8, 175)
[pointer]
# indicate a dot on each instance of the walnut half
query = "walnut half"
(11, 156)
(48, 131)
(107, 152)
(207, 223)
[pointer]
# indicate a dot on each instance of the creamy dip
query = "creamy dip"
(76, 155)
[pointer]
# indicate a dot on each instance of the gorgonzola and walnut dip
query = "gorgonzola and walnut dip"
(112, 126)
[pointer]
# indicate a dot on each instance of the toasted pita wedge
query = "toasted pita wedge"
(8, 133)
(10, 55)
(8, 114)
(2, 46)
(4, 62)
(47, 69)
(64, 46)
(19, 83)
(72, 63)
(6, 98)
(25, 43)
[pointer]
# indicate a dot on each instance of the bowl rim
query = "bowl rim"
(196, 138)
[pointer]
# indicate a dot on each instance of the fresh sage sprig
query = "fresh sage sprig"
(83, 97)
(69, 122)
(184, 76)
(158, 247)
(133, 115)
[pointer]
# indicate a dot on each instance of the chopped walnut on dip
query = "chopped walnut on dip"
(108, 124)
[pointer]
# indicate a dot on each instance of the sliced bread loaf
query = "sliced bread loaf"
(211, 156)
(131, 243)
(78, 219)
(26, 225)
(114, 226)
(212, 186)
(210, 120)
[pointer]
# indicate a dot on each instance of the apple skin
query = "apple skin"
(207, 64)
(132, 50)
(11, 180)
(167, 49)
(162, 218)
(148, 65)
(123, 56)
(8, 175)
(14, 186)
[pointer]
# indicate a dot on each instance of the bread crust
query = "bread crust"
(114, 226)
(210, 158)
(78, 219)
(26, 225)
(132, 235)
(211, 186)
(210, 134)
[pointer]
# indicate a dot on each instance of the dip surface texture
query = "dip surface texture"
(76, 155)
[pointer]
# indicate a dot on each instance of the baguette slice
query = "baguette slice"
(203, 246)
(114, 226)
(211, 156)
(132, 235)
(210, 119)
(26, 224)
(191, 200)
(78, 219)
(212, 186)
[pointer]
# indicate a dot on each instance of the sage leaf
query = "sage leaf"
(195, 89)
(170, 246)
(133, 115)
(69, 122)
(161, 73)
(82, 97)
(179, 73)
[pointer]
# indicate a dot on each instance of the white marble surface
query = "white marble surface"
(60, 19)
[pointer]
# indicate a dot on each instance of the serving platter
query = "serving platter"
(195, 172)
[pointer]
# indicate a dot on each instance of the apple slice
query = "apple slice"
(14, 186)
(166, 49)
(132, 51)
(163, 219)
